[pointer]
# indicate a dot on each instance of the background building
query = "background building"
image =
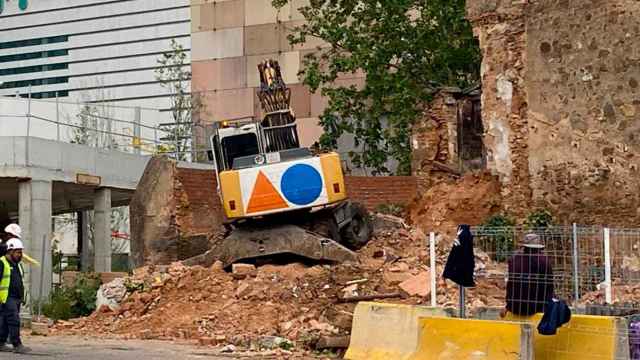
(229, 38)
(89, 50)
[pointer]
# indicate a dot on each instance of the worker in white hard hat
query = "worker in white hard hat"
(14, 231)
(11, 295)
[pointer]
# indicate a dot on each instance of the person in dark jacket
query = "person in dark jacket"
(530, 279)
(11, 296)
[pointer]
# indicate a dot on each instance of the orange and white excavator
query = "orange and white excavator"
(277, 196)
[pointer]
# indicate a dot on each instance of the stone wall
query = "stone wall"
(175, 213)
(560, 105)
(433, 139)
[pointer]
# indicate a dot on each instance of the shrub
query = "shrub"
(539, 219)
(76, 301)
(501, 241)
(391, 209)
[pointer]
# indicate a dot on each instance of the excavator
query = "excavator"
(279, 197)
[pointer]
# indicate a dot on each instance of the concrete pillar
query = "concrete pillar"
(84, 243)
(102, 229)
(34, 216)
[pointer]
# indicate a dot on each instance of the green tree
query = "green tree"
(407, 49)
(174, 75)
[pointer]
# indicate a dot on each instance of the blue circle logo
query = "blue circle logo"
(301, 184)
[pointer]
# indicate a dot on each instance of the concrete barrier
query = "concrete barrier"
(585, 337)
(386, 331)
(465, 339)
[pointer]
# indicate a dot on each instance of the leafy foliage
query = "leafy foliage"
(539, 219)
(391, 209)
(502, 240)
(78, 300)
(174, 75)
(406, 49)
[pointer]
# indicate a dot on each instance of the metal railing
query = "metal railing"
(134, 130)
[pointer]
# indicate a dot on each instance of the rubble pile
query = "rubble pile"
(470, 200)
(295, 302)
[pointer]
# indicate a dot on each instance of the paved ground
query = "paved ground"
(74, 348)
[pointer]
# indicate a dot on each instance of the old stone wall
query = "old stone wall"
(175, 213)
(500, 28)
(433, 139)
(560, 105)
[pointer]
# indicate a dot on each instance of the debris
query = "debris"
(359, 281)
(369, 297)
(351, 290)
(228, 349)
(111, 294)
(274, 342)
(40, 328)
(243, 290)
(241, 271)
(333, 342)
(417, 285)
(323, 327)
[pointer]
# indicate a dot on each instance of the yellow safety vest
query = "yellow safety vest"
(6, 279)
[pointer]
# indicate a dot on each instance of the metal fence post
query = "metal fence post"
(28, 128)
(576, 278)
(607, 266)
(432, 266)
(57, 117)
(461, 302)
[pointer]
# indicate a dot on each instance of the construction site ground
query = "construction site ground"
(77, 348)
(289, 307)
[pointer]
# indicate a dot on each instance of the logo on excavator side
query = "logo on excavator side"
(299, 185)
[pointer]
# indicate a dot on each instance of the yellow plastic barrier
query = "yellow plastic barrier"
(463, 339)
(386, 331)
(584, 337)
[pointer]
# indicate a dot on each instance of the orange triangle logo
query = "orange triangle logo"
(265, 197)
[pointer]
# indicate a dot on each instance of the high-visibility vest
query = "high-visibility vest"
(6, 279)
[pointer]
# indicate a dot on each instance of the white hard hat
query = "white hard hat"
(14, 229)
(14, 244)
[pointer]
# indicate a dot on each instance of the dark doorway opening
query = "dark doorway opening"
(471, 151)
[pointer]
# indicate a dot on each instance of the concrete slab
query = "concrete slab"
(386, 331)
(41, 159)
(229, 104)
(225, 43)
(221, 74)
(448, 338)
(262, 12)
(262, 39)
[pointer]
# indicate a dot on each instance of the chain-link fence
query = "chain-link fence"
(589, 265)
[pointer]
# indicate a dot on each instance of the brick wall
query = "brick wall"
(373, 191)
(200, 188)
(200, 207)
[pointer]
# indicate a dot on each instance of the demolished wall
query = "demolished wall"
(560, 105)
(175, 213)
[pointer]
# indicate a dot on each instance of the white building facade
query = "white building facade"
(89, 50)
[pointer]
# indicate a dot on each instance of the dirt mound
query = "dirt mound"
(470, 200)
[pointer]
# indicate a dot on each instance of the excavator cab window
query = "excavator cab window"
(237, 146)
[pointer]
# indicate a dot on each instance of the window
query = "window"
(34, 42)
(34, 82)
(34, 55)
(47, 94)
(35, 68)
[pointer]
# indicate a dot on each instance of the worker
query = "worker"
(11, 295)
(529, 280)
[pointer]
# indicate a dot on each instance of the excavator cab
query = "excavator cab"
(263, 174)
